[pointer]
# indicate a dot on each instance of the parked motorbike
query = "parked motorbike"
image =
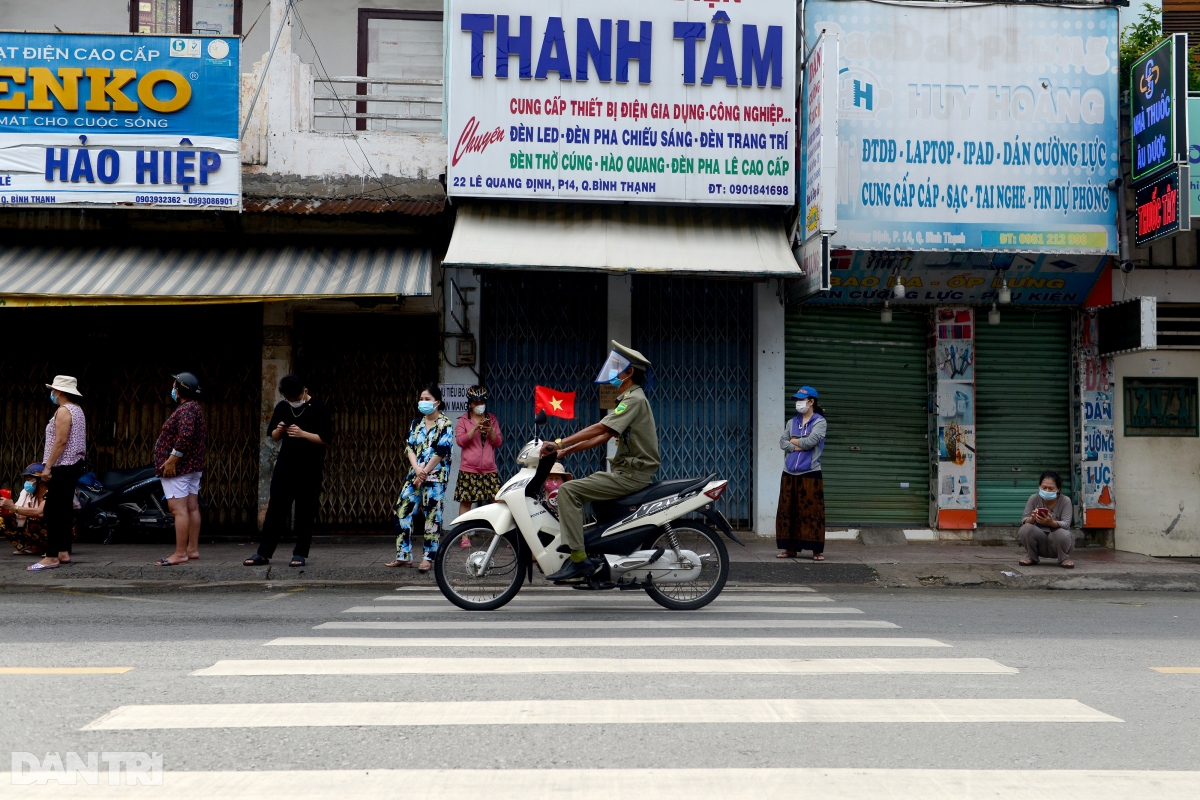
(122, 500)
(646, 540)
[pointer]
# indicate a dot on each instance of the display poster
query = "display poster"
(932, 278)
(119, 120)
(820, 138)
(970, 127)
(954, 364)
(1093, 427)
(629, 101)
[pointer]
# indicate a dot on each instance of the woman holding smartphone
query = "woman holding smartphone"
(1046, 525)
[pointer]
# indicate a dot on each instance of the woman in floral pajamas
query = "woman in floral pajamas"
(430, 444)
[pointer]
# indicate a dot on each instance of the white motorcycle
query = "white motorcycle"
(643, 540)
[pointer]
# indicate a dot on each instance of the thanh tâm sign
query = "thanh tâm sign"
(100, 120)
(629, 100)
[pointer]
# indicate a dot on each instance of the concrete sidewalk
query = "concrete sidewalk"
(350, 561)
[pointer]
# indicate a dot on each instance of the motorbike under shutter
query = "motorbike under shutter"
(871, 377)
(1023, 406)
(622, 238)
(37, 276)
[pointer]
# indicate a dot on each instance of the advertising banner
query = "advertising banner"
(820, 138)
(91, 120)
(954, 418)
(974, 127)
(1092, 421)
(652, 102)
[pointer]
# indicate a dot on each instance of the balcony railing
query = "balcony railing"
(350, 103)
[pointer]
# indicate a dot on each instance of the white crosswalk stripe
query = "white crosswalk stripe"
(589, 603)
(628, 666)
(675, 623)
(661, 784)
(550, 609)
(631, 642)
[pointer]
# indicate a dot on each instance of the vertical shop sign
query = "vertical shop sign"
(1158, 121)
(1161, 206)
(954, 367)
(820, 137)
(1193, 114)
(1092, 426)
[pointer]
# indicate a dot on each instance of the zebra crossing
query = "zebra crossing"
(544, 633)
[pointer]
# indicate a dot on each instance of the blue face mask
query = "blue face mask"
(29, 487)
(1047, 495)
(617, 381)
(426, 407)
(174, 394)
(53, 399)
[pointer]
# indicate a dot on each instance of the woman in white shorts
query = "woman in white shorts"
(179, 463)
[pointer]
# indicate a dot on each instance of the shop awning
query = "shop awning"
(118, 275)
(622, 238)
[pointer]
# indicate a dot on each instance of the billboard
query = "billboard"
(89, 120)
(820, 138)
(974, 127)
(650, 102)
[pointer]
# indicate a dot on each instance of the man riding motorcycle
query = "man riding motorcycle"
(633, 466)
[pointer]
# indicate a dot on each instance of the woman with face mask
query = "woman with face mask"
(800, 516)
(429, 447)
(23, 520)
(478, 434)
(1046, 525)
(63, 456)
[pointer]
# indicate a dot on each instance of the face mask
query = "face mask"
(801, 406)
(295, 403)
(29, 487)
(426, 407)
(614, 366)
(617, 381)
(174, 394)
(53, 399)
(480, 409)
(1047, 495)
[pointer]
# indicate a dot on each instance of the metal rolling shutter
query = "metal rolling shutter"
(1022, 400)
(872, 380)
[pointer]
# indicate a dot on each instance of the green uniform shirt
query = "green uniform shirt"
(637, 444)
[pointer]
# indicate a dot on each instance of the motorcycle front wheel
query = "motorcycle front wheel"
(714, 570)
(461, 572)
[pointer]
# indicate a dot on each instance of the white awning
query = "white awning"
(622, 238)
(116, 275)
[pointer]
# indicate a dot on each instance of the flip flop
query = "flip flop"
(297, 561)
(166, 562)
(784, 555)
(256, 561)
(426, 565)
(1068, 565)
(818, 557)
(38, 566)
(398, 563)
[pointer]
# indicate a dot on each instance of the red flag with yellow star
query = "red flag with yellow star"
(555, 403)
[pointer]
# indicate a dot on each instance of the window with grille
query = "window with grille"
(201, 17)
(405, 48)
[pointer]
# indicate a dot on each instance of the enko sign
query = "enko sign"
(91, 120)
(1158, 112)
(623, 101)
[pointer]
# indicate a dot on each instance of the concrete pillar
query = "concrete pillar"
(276, 362)
(620, 321)
(768, 404)
(277, 92)
(460, 306)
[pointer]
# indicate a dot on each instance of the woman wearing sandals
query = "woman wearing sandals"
(478, 435)
(1046, 525)
(66, 445)
(430, 444)
(800, 516)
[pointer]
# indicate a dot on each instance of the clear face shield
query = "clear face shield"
(614, 366)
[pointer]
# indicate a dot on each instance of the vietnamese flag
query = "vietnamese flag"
(555, 403)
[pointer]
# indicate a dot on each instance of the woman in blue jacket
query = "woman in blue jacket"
(800, 516)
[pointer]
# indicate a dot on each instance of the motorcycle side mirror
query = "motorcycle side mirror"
(540, 419)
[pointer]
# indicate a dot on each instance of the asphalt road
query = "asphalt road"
(765, 691)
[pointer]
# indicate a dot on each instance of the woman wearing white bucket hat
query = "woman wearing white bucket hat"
(66, 446)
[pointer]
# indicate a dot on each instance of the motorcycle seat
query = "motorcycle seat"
(116, 479)
(606, 509)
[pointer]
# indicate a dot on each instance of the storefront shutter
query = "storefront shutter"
(1022, 395)
(872, 380)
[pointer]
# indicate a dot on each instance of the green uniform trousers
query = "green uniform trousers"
(597, 486)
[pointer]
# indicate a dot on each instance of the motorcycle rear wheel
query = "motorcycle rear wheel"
(714, 558)
(454, 567)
